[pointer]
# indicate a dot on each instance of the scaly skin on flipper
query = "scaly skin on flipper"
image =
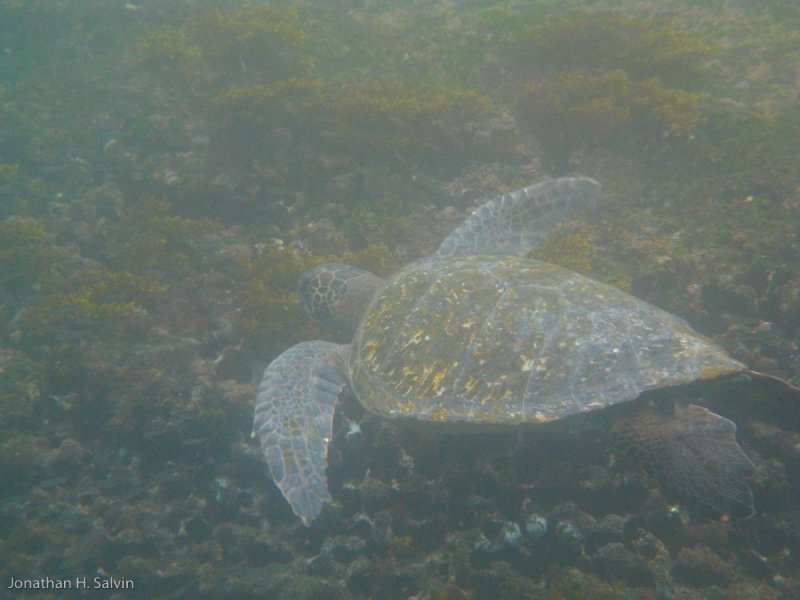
(695, 453)
(294, 420)
(514, 224)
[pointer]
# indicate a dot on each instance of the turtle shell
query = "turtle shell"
(510, 340)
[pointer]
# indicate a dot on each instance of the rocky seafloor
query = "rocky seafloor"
(167, 172)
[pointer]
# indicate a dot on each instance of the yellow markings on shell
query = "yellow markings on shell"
(408, 373)
(378, 314)
(431, 382)
(425, 382)
(449, 326)
(440, 414)
(396, 406)
(470, 384)
(369, 349)
(470, 323)
(436, 382)
(415, 339)
(498, 392)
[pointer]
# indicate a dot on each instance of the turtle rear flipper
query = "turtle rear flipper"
(514, 224)
(694, 451)
(294, 421)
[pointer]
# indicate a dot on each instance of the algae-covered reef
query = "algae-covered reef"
(168, 169)
(607, 79)
(255, 74)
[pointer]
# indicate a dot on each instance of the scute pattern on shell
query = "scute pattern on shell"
(511, 340)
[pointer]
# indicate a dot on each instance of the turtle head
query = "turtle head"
(336, 295)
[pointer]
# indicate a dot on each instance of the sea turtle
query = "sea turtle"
(476, 333)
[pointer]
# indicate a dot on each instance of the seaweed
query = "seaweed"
(759, 154)
(573, 251)
(387, 119)
(22, 382)
(603, 42)
(92, 300)
(26, 252)
(149, 239)
(20, 194)
(253, 73)
(571, 108)
(20, 461)
(249, 112)
(607, 80)
(262, 43)
(246, 69)
(264, 39)
(268, 301)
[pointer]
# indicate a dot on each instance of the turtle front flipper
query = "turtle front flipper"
(294, 420)
(514, 224)
(695, 452)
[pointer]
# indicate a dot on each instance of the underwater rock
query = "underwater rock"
(67, 459)
(322, 237)
(572, 583)
(346, 549)
(614, 561)
(510, 534)
(700, 566)
(423, 497)
(240, 543)
(450, 591)
(273, 582)
(427, 533)
(611, 528)
(77, 521)
(655, 553)
(534, 523)
(570, 538)
(484, 549)
(22, 400)
(145, 573)
(571, 527)
(197, 529)
(535, 526)
(374, 494)
(360, 575)
(659, 517)
(20, 462)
